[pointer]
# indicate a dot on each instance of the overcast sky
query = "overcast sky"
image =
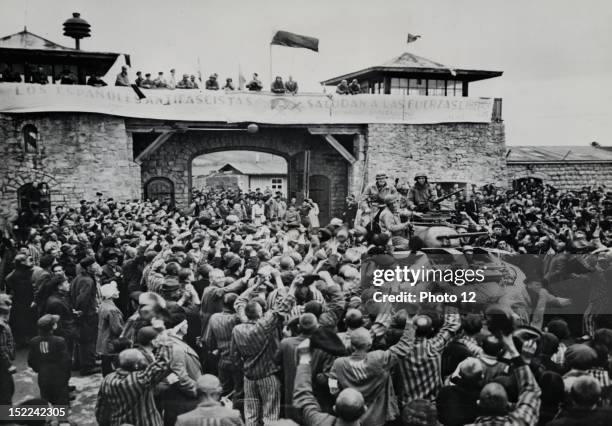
(555, 54)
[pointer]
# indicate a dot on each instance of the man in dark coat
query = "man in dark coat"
(48, 356)
(84, 295)
(20, 286)
(59, 304)
(7, 355)
(456, 404)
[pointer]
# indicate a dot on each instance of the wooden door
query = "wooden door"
(320, 192)
(161, 189)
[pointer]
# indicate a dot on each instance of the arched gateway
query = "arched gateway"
(307, 153)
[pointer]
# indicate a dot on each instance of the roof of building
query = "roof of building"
(555, 154)
(27, 40)
(24, 45)
(247, 168)
(408, 63)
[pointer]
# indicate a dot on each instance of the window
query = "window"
(399, 86)
(277, 183)
(30, 139)
(435, 88)
(454, 88)
(417, 86)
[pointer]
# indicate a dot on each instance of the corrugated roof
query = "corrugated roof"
(551, 154)
(27, 40)
(248, 168)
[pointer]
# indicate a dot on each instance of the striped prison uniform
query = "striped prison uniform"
(256, 344)
(527, 409)
(127, 396)
(218, 336)
(421, 371)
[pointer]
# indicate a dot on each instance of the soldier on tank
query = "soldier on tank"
(390, 221)
(421, 194)
(375, 194)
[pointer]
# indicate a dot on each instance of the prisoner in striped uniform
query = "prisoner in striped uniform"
(218, 339)
(256, 343)
(126, 395)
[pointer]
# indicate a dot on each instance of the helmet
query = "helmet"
(421, 174)
(390, 199)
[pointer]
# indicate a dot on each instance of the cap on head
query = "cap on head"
(87, 262)
(308, 323)
(46, 322)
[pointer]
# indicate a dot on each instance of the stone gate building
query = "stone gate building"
(64, 143)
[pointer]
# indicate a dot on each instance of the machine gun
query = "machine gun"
(431, 204)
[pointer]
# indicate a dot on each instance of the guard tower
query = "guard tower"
(410, 74)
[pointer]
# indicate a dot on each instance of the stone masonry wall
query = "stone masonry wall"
(173, 159)
(78, 155)
(564, 176)
(460, 152)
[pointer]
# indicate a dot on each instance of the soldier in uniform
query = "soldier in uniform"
(421, 193)
(390, 221)
(48, 356)
(375, 194)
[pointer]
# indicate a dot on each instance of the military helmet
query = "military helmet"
(420, 174)
(390, 199)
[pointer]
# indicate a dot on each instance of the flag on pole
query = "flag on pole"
(241, 79)
(285, 38)
(412, 38)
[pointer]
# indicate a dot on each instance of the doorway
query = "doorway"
(37, 193)
(320, 192)
(160, 189)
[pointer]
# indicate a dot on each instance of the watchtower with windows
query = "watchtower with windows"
(409, 74)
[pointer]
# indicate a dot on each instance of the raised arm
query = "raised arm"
(303, 397)
(452, 323)
(528, 406)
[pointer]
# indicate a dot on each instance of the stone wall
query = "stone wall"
(462, 152)
(173, 159)
(565, 176)
(78, 155)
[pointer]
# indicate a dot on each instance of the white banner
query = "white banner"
(205, 105)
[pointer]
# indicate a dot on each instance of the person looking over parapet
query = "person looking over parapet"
(343, 88)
